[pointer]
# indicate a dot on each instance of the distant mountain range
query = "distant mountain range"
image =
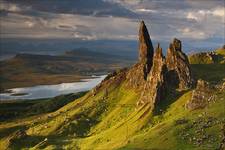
(33, 69)
(11, 47)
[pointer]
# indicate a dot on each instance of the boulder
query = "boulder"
(200, 96)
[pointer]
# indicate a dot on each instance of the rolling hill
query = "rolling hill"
(159, 103)
(29, 69)
(217, 56)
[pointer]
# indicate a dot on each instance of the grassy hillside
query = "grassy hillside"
(107, 118)
(13, 109)
(178, 128)
(217, 56)
(213, 73)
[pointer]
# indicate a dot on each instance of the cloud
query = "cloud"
(192, 16)
(112, 19)
(195, 34)
(67, 26)
(219, 11)
(145, 10)
(200, 15)
(9, 7)
(79, 7)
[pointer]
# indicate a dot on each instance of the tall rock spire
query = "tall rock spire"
(178, 66)
(137, 75)
(155, 87)
(145, 43)
(146, 49)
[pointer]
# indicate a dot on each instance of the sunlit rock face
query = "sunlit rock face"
(154, 75)
(178, 66)
(155, 87)
(146, 49)
(201, 96)
(137, 75)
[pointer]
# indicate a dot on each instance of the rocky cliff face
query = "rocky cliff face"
(155, 86)
(146, 49)
(137, 75)
(179, 72)
(154, 74)
(201, 96)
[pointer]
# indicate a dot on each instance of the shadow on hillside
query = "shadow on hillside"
(39, 142)
(171, 96)
(7, 131)
(212, 73)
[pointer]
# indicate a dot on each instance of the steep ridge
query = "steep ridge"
(116, 113)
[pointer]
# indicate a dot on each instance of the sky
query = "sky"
(195, 22)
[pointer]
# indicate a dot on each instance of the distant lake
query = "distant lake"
(48, 91)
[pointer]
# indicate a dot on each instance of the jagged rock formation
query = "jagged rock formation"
(177, 62)
(146, 49)
(157, 76)
(137, 75)
(153, 75)
(200, 96)
(154, 89)
(136, 78)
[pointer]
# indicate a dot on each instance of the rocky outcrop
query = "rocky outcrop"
(154, 73)
(204, 58)
(179, 73)
(137, 75)
(112, 80)
(136, 78)
(201, 96)
(154, 89)
(146, 49)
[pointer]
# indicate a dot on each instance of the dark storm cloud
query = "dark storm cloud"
(171, 4)
(191, 20)
(81, 7)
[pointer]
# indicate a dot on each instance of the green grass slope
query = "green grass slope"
(217, 56)
(107, 118)
(178, 128)
(13, 109)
